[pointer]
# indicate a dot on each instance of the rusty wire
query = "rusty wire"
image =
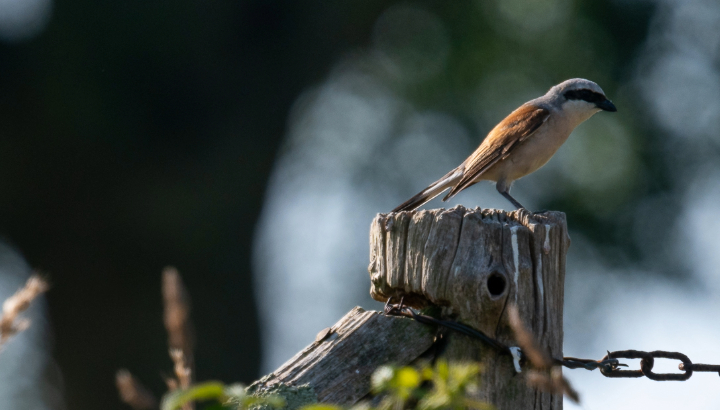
(609, 365)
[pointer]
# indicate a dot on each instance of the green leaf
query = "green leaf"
(204, 391)
(442, 369)
(407, 377)
(217, 406)
(249, 401)
(321, 406)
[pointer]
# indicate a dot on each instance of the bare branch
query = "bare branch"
(182, 371)
(133, 393)
(177, 315)
(548, 376)
(537, 357)
(13, 306)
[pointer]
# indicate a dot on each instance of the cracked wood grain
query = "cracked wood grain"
(338, 365)
(456, 258)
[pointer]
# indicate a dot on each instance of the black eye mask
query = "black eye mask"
(585, 95)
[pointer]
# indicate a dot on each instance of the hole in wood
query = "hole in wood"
(496, 284)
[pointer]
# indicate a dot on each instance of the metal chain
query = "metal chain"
(608, 365)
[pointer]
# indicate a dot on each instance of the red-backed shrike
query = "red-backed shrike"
(523, 142)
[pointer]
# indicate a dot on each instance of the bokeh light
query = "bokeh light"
(23, 19)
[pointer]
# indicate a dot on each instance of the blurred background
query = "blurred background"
(250, 143)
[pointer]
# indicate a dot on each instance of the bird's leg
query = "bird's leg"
(509, 197)
(506, 193)
(504, 190)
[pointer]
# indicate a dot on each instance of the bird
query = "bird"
(521, 143)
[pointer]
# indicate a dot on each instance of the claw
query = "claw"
(388, 306)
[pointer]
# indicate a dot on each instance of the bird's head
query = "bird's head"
(581, 96)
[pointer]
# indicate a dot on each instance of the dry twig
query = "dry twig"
(554, 383)
(180, 340)
(177, 315)
(179, 328)
(547, 376)
(13, 306)
(182, 371)
(132, 392)
(525, 339)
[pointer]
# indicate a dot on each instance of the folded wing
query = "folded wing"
(500, 142)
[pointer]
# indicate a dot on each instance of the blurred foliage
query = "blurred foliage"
(441, 386)
(220, 395)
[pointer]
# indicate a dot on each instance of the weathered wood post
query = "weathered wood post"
(471, 262)
(474, 263)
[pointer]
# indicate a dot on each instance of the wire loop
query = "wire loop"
(609, 365)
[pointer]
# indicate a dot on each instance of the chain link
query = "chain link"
(609, 365)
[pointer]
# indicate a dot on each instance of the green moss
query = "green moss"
(295, 396)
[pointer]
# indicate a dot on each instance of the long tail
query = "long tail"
(435, 189)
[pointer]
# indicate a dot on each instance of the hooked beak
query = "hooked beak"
(606, 105)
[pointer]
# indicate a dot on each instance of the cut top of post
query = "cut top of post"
(470, 260)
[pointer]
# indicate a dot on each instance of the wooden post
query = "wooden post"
(336, 368)
(474, 263)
